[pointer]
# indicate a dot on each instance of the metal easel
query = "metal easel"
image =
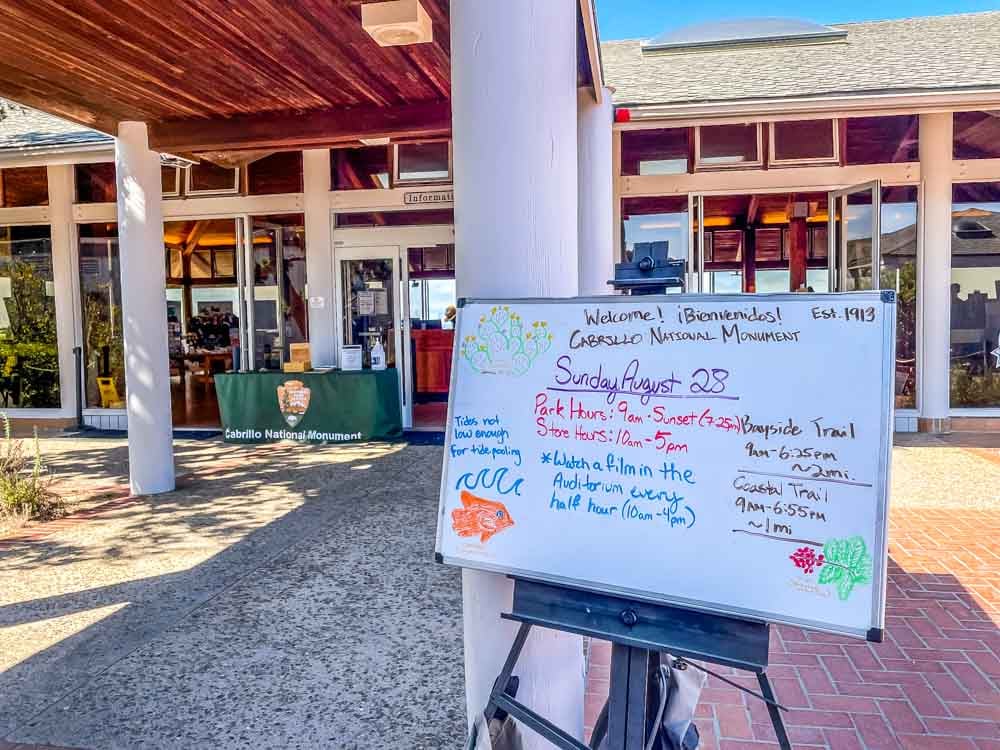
(639, 632)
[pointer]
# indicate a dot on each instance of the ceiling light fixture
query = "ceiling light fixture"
(397, 23)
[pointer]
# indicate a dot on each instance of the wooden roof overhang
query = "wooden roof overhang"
(222, 75)
(214, 77)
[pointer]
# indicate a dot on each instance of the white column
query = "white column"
(64, 279)
(319, 255)
(514, 126)
(596, 192)
(934, 275)
(144, 312)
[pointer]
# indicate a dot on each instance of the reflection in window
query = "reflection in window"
(24, 186)
(362, 168)
(899, 272)
(207, 178)
(975, 295)
(804, 142)
(773, 280)
(719, 146)
(95, 183)
(725, 282)
(881, 140)
(29, 355)
(977, 135)
(280, 305)
(423, 162)
(278, 173)
(101, 303)
(646, 221)
(658, 151)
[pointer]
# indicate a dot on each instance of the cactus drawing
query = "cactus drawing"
(503, 345)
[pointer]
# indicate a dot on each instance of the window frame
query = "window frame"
(190, 192)
(396, 181)
(774, 161)
(758, 164)
(176, 192)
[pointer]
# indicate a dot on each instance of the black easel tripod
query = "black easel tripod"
(639, 631)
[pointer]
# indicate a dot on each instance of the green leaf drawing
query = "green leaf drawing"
(847, 563)
(501, 344)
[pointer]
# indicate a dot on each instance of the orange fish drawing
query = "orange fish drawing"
(480, 516)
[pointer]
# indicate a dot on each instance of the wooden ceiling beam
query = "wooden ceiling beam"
(302, 130)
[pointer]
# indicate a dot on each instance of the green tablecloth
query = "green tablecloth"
(310, 407)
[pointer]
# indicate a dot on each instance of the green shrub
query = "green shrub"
(25, 483)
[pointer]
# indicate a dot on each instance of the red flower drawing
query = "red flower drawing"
(807, 559)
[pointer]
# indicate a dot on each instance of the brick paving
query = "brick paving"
(933, 683)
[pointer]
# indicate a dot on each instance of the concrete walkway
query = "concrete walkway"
(282, 597)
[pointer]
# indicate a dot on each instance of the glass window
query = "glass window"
(899, 272)
(659, 151)
(727, 146)
(29, 354)
(279, 288)
(818, 279)
(975, 295)
(656, 220)
(95, 183)
(170, 181)
(977, 135)
(277, 173)
(423, 162)
(881, 140)
(25, 186)
(776, 280)
(725, 282)
(206, 177)
(804, 142)
(363, 168)
(101, 316)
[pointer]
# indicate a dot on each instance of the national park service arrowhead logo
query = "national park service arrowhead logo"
(293, 400)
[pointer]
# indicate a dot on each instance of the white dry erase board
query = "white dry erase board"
(725, 453)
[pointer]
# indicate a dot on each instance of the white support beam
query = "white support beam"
(596, 197)
(934, 272)
(770, 180)
(514, 104)
(144, 312)
(319, 256)
(975, 170)
(64, 276)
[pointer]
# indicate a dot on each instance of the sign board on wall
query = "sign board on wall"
(726, 453)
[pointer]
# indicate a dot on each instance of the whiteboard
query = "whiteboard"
(727, 453)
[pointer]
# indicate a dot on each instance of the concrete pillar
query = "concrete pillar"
(144, 312)
(514, 121)
(596, 192)
(934, 273)
(319, 255)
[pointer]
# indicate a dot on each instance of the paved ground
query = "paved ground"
(933, 684)
(283, 597)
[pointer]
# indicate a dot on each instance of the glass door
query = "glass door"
(373, 310)
(854, 232)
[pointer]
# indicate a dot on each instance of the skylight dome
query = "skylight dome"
(745, 32)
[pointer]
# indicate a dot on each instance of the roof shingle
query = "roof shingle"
(917, 54)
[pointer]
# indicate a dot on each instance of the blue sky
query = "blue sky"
(628, 19)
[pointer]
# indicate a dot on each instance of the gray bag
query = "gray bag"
(679, 689)
(499, 735)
